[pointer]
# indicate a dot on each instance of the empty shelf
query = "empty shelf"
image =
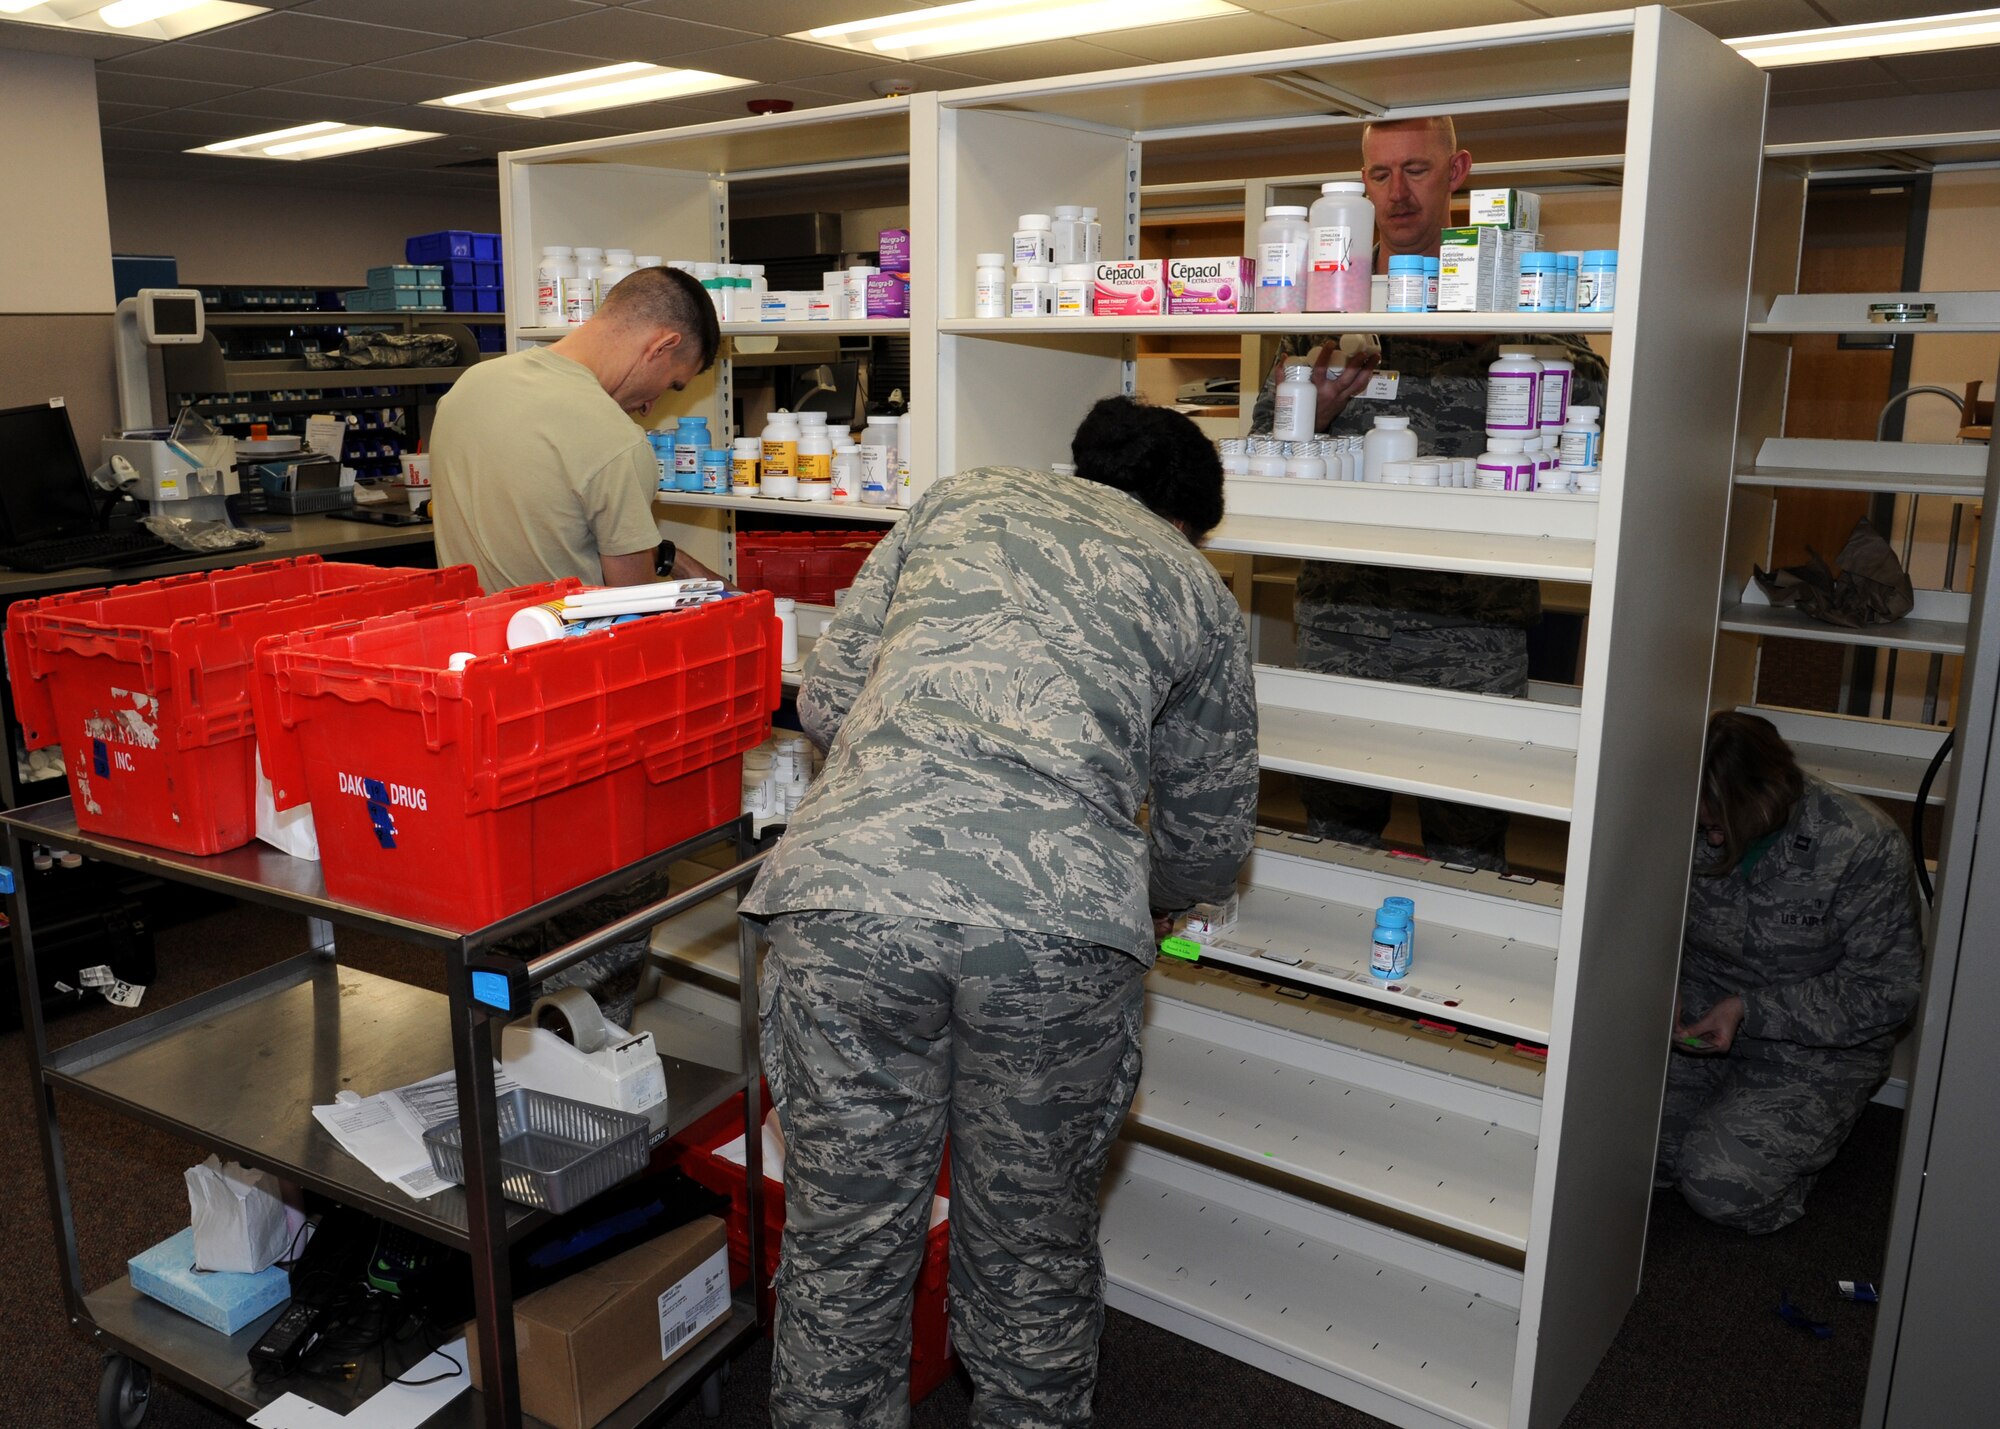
(1912, 632)
(1493, 773)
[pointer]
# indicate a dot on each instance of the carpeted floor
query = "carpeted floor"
(1702, 1344)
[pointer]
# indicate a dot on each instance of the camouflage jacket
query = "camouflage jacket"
(1022, 663)
(1442, 390)
(1820, 938)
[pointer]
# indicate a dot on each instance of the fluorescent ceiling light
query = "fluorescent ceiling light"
(131, 19)
(323, 140)
(1965, 30)
(581, 91)
(994, 24)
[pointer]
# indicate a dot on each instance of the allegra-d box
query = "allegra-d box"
(587, 1344)
(894, 251)
(1129, 288)
(887, 296)
(1210, 285)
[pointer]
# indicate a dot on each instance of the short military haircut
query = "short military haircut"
(1440, 124)
(1750, 782)
(1159, 456)
(666, 298)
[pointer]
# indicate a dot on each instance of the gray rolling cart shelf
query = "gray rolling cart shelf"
(238, 1069)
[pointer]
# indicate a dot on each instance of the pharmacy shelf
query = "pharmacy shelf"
(1936, 626)
(1285, 1106)
(1880, 759)
(1915, 468)
(1498, 753)
(1463, 976)
(829, 510)
(1415, 547)
(1310, 1297)
(832, 327)
(1282, 324)
(1846, 314)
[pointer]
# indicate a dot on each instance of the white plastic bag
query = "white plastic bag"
(241, 1223)
(289, 831)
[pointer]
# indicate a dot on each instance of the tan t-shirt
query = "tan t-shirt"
(537, 473)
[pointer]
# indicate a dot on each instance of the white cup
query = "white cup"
(416, 469)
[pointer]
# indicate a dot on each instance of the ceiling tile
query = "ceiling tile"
(289, 104)
(145, 141)
(777, 17)
(48, 40)
(160, 92)
(1958, 84)
(329, 41)
(486, 62)
(775, 61)
(461, 19)
(1733, 18)
(1374, 19)
(389, 86)
(1200, 39)
(119, 113)
(198, 125)
(1050, 57)
(628, 35)
(445, 121)
(178, 59)
(1862, 12)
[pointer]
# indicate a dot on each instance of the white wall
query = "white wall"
(291, 233)
(52, 172)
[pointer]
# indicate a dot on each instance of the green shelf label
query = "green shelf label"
(1186, 949)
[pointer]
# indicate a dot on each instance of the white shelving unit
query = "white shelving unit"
(1426, 1198)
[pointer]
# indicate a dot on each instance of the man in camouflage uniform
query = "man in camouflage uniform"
(1798, 965)
(1437, 629)
(965, 904)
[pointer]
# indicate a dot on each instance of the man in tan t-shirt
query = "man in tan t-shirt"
(537, 470)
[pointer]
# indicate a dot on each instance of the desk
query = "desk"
(310, 535)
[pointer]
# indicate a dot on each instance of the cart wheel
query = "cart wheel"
(711, 1396)
(124, 1394)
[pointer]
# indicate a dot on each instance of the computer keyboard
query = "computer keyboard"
(104, 548)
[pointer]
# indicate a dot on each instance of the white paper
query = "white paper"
(325, 435)
(288, 830)
(385, 1132)
(394, 1406)
(99, 976)
(125, 994)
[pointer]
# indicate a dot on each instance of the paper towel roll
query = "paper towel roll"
(573, 1015)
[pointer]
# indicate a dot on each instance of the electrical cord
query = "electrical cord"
(1917, 814)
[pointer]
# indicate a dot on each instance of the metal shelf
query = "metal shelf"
(239, 1069)
(1881, 759)
(1487, 750)
(312, 317)
(1936, 634)
(1918, 468)
(1280, 324)
(779, 506)
(1336, 1120)
(1238, 1270)
(217, 1367)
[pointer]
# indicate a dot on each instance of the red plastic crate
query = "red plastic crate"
(458, 797)
(147, 686)
(808, 566)
(931, 1359)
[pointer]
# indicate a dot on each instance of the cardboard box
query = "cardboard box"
(1506, 208)
(219, 1299)
(1130, 288)
(1211, 285)
(1479, 269)
(887, 296)
(587, 1344)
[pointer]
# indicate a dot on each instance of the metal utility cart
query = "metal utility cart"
(239, 1068)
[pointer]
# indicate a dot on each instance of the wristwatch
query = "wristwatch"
(664, 557)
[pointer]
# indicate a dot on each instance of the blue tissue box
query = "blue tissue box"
(220, 1300)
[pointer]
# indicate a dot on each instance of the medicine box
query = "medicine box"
(888, 296)
(587, 1344)
(220, 1300)
(1479, 269)
(1506, 208)
(1207, 919)
(1210, 285)
(1132, 288)
(894, 255)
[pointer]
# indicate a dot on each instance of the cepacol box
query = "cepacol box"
(1128, 289)
(1210, 285)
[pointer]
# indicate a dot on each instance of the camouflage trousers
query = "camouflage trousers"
(1484, 659)
(882, 1035)
(1744, 1137)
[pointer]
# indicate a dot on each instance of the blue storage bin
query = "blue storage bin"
(458, 272)
(452, 243)
(486, 275)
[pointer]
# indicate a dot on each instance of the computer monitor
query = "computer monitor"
(44, 489)
(171, 317)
